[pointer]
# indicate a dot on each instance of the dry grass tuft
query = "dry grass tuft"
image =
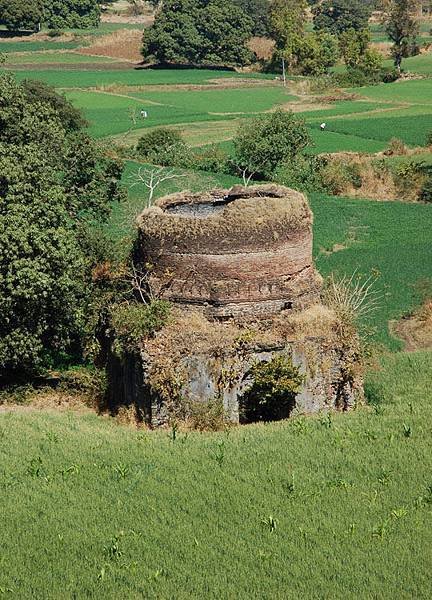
(316, 321)
(416, 329)
(124, 44)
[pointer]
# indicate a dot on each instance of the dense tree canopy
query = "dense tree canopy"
(71, 13)
(57, 14)
(21, 15)
(336, 16)
(199, 32)
(259, 12)
(303, 53)
(267, 142)
(53, 181)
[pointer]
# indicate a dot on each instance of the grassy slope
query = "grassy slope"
(389, 239)
(94, 510)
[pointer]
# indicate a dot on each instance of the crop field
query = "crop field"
(29, 46)
(413, 130)
(328, 507)
(133, 77)
(54, 57)
(110, 114)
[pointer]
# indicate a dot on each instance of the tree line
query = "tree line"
(217, 32)
(18, 15)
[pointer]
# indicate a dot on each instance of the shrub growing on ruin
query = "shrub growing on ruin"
(271, 396)
(131, 323)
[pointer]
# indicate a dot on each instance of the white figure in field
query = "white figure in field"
(323, 126)
(143, 114)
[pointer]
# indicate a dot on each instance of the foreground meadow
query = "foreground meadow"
(334, 506)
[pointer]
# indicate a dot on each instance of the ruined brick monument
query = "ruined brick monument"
(246, 252)
(237, 267)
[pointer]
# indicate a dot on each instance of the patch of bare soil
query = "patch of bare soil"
(145, 20)
(416, 329)
(124, 44)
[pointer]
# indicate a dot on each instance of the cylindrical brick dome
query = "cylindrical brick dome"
(243, 252)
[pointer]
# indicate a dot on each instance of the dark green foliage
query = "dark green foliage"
(265, 143)
(336, 16)
(77, 14)
(131, 323)
(271, 396)
(199, 32)
(358, 77)
(426, 192)
(39, 92)
(51, 182)
(259, 12)
(157, 145)
(56, 14)
(402, 28)
(20, 14)
(304, 173)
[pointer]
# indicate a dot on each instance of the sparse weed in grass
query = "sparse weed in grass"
(407, 430)
(71, 470)
(36, 468)
(121, 471)
(381, 530)
(399, 513)
(270, 523)
(112, 550)
(219, 453)
(384, 477)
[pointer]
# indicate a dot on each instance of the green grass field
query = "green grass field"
(328, 507)
(52, 57)
(132, 77)
(110, 114)
(11, 46)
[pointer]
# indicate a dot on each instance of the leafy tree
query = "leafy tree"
(265, 143)
(53, 183)
(79, 14)
(288, 21)
(57, 14)
(38, 91)
(259, 11)
(402, 27)
(336, 16)
(315, 54)
(200, 32)
(21, 15)
(304, 54)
